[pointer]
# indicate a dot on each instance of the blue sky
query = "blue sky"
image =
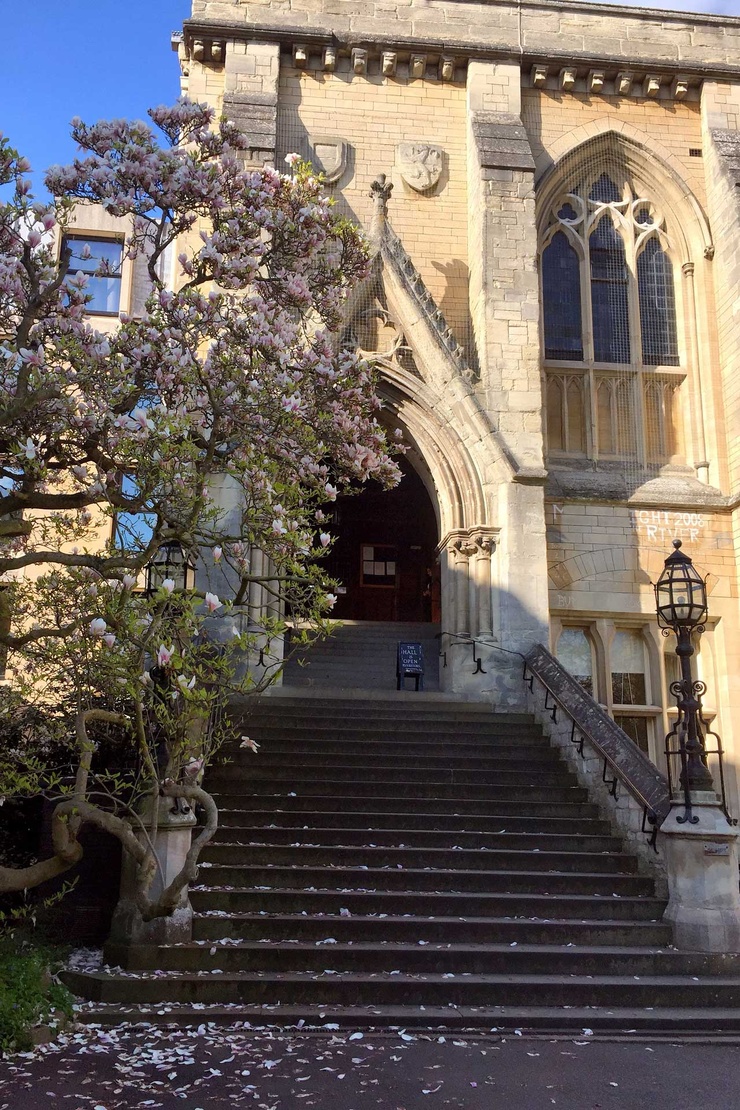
(105, 58)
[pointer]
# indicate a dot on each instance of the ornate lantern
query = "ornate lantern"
(170, 562)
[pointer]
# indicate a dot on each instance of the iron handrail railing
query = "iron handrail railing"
(628, 764)
(461, 638)
(625, 763)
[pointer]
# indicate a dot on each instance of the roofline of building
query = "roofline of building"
(462, 49)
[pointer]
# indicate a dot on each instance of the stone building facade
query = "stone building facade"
(550, 191)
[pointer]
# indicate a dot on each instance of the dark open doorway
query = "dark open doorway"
(384, 555)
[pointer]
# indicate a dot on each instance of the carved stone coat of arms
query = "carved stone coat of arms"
(420, 164)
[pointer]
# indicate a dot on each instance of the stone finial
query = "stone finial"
(300, 56)
(567, 78)
(651, 85)
(623, 83)
(538, 76)
(329, 61)
(680, 87)
(380, 193)
(359, 61)
(417, 66)
(446, 69)
(595, 81)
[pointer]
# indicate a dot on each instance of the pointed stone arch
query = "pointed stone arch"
(457, 483)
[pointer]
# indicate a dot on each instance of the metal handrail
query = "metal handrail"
(623, 760)
(626, 762)
(461, 638)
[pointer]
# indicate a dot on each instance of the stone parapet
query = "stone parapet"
(530, 29)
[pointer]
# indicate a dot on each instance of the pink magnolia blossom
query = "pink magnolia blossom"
(168, 585)
(325, 539)
(109, 639)
(251, 745)
(164, 654)
(212, 602)
(97, 626)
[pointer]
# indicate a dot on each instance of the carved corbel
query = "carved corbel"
(417, 66)
(388, 61)
(359, 61)
(538, 76)
(446, 69)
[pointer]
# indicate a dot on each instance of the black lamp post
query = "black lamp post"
(681, 601)
(170, 562)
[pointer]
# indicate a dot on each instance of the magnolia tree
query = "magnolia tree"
(235, 378)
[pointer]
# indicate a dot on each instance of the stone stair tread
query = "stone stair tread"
(690, 1022)
(411, 871)
(472, 948)
(405, 849)
(330, 918)
(543, 979)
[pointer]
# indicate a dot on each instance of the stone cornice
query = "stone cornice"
(500, 43)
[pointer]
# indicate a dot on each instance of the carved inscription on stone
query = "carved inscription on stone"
(420, 164)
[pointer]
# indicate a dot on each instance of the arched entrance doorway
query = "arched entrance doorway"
(385, 553)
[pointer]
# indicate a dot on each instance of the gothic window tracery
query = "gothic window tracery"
(612, 360)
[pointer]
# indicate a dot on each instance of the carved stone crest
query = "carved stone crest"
(328, 156)
(420, 164)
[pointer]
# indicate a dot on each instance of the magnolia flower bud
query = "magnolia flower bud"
(97, 626)
(212, 603)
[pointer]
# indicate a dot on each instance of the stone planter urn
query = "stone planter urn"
(133, 942)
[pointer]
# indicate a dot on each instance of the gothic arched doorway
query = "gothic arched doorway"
(384, 555)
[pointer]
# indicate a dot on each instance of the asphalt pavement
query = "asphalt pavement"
(209, 1068)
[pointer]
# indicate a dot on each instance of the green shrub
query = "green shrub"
(29, 993)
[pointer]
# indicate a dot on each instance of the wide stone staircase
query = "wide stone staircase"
(417, 862)
(362, 655)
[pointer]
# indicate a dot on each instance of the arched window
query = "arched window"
(611, 353)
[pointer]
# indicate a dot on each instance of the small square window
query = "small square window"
(88, 254)
(378, 565)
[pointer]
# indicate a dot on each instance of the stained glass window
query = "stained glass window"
(657, 306)
(561, 294)
(609, 304)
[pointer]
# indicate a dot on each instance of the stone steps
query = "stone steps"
(393, 862)
(362, 654)
(362, 988)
